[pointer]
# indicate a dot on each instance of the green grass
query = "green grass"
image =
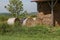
(29, 33)
(29, 37)
(32, 33)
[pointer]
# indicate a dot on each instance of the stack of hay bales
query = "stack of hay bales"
(40, 17)
(47, 19)
(43, 19)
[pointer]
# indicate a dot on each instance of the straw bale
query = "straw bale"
(40, 15)
(30, 22)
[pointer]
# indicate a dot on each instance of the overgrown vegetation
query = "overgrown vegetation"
(38, 32)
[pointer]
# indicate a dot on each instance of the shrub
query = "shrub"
(3, 17)
(4, 28)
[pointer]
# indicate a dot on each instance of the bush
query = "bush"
(4, 18)
(4, 28)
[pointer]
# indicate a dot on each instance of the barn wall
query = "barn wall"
(57, 13)
(45, 8)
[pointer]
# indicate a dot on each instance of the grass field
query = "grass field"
(34, 33)
(29, 37)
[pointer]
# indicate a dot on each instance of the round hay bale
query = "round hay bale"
(24, 22)
(39, 21)
(29, 22)
(11, 21)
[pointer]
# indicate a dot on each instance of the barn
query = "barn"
(49, 7)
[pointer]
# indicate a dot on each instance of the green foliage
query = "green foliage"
(33, 16)
(15, 7)
(3, 18)
(24, 14)
(4, 28)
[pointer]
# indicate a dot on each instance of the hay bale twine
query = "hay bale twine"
(11, 21)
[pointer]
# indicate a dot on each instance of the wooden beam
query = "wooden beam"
(52, 16)
(52, 5)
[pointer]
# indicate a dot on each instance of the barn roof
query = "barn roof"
(41, 0)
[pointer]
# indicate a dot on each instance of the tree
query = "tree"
(24, 14)
(15, 7)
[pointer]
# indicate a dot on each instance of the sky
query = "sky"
(27, 6)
